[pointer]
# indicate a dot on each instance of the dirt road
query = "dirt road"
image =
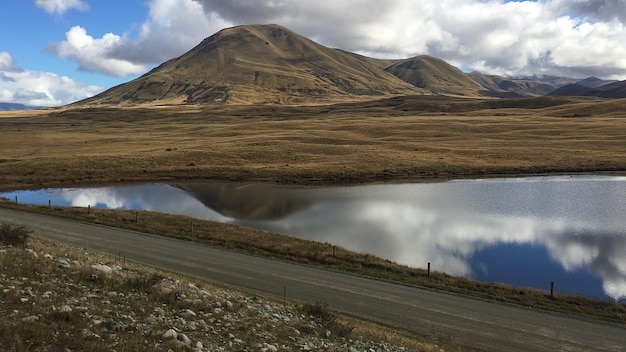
(450, 319)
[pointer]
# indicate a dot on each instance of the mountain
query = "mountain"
(259, 64)
(16, 106)
(435, 75)
(521, 87)
(593, 82)
(610, 90)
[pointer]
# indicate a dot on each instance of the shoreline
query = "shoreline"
(310, 182)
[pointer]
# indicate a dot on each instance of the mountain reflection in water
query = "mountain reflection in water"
(526, 231)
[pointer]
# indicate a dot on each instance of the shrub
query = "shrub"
(326, 318)
(14, 235)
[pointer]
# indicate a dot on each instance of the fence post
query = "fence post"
(551, 289)
(88, 208)
(49, 204)
(428, 268)
(136, 216)
(15, 199)
(334, 251)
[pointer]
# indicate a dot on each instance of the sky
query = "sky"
(54, 52)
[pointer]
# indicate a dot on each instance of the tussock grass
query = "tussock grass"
(13, 235)
(407, 138)
(248, 240)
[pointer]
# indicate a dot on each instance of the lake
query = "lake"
(521, 231)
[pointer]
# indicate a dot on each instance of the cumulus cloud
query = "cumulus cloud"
(39, 88)
(172, 28)
(575, 38)
(94, 54)
(61, 6)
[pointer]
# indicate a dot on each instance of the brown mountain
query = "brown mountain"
(259, 64)
(435, 75)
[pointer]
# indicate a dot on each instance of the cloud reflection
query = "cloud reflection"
(580, 221)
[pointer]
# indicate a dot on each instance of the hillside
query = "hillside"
(435, 75)
(610, 90)
(259, 64)
(533, 86)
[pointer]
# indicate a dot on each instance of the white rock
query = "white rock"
(47, 256)
(104, 268)
(32, 253)
(199, 345)
(188, 313)
(24, 299)
(170, 334)
(229, 304)
(271, 348)
(65, 309)
(64, 263)
(30, 318)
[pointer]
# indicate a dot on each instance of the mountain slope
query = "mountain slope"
(435, 75)
(610, 90)
(521, 87)
(258, 64)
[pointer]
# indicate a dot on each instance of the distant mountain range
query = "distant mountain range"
(16, 106)
(269, 64)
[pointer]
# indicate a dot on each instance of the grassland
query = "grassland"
(397, 139)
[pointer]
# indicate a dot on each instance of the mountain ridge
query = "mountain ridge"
(270, 64)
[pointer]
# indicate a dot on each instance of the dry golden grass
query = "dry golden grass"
(389, 140)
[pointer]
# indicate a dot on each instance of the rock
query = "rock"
(24, 299)
(30, 319)
(170, 334)
(65, 309)
(158, 311)
(188, 313)
(199, 346)
(104, 268)
(47, 256)
(184, 339)
(229, 305)
(271, 348)
(63, 263)
(32, 253)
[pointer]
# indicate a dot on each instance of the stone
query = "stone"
(170, 334)
(63, 263)
(184, 339)
(30, 319)
(103, 268)
(188, 313)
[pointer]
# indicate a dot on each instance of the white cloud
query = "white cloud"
(61, 6)
(575, 38)
(7, 63)
(39, 88)
(94, 54)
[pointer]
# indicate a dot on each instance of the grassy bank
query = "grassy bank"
(243, 239)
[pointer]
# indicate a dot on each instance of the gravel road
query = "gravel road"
(449, 318)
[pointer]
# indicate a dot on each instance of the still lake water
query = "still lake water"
(521, 231)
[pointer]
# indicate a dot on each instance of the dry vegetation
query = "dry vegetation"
(396, 139)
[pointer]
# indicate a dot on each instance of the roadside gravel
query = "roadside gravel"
(56, 298)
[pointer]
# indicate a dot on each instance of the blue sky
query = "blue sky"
(53, 52)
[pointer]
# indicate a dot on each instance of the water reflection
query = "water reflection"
(530, 231)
